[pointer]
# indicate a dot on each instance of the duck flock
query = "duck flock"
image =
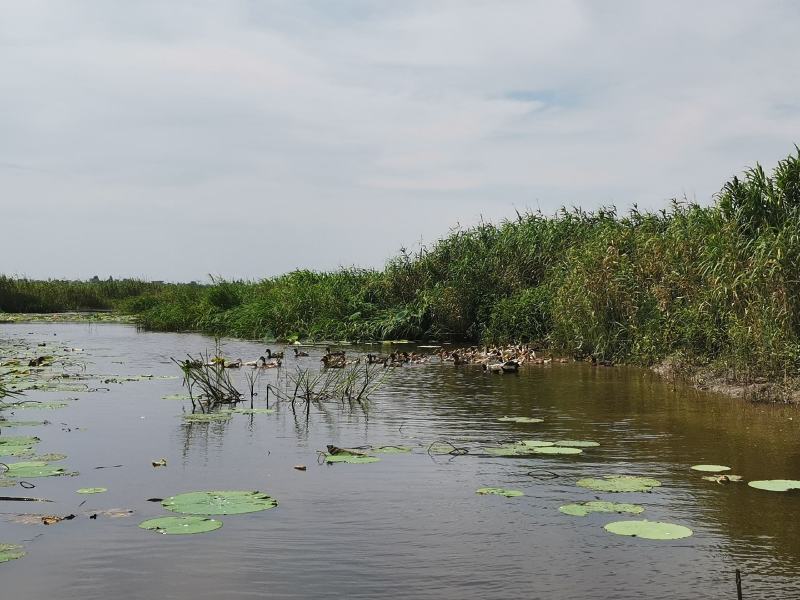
(493, 359)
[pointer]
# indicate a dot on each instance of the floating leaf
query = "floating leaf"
(723, 478)
(7, 483)
(9, 450)
(557, 450)
(176, 397)
(347, 457)
(620, 483)
(577, 444)
(649, 530)
(34, 468)
(711, 468)
(510, 450)
(207, 417)
(499, 492)
(18, 440)
(10, 552)
(41, 405)
(441, 448)
(776, 485)
(92, 490)
(520, 420)
(219, 502)
(392, 449)
(595, 506)
(536, 443)
(181, 525)
(20, 423)
(53, 457)
(252, 411)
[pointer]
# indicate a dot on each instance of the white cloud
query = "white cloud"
(174, 139)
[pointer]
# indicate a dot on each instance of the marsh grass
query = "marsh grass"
(712, 285)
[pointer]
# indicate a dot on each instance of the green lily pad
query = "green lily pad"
(9, 450)
(499, 492)
(520, 420)
(181, 525)
(392, 450)
(649, 530)
(442, 448)
(4, 424)
(620, 483)
(557, 450)
(536, 443)
(595, 506)
(577, 444)
(92, 490)
(41, 405)
(10, 552)
(18, 440)
(711, 468)
(52, 457)
(207, 417)
(34, 468)
(347, 457)
(775, 485)
(176, 397)
(510, 450)
(252, 411)
(219, 502)
(7, 483)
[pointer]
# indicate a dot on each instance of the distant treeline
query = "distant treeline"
(718, 284)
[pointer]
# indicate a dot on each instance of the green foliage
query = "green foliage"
(717, 284)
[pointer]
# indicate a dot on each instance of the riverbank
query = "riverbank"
(717, 286)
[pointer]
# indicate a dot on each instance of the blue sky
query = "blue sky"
(170, 140)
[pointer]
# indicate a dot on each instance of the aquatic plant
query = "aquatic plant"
(181, 525)
(499, 492)
(619, 483)
(219, 502)
(649, 530)
(10, 552)
(597, 506)
(710, 468)
(775, 485)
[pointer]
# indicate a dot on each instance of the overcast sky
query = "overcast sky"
(170, 140)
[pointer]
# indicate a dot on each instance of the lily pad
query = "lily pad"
(52, 457)
(219, 502)
(510, 450)
(18, 440)
(649, 530)
(499, 492)
(711, 468)
(41, 405)
(391, 449)
(34, 468)
(557, 450)
(442, 448)
(92, 490)
(775, 485)
(10, 552)
(723, 478)
(577, 444)
(520, 420)
(10, 450)
(176, 397)
(595, 506)
(536, 443)
(620, 483)
(207, 417)
(252, 411)
(4, 424)
(347, 457)
(181, 525)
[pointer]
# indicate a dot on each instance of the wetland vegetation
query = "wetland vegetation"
(690, 286)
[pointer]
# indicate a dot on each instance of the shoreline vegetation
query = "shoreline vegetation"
(709, 294)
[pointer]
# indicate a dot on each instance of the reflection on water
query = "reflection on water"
(410, 526)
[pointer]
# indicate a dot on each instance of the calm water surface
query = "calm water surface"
(410, 526)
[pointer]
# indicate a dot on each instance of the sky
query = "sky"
(173, 140)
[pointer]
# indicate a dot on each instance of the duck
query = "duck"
(270, 354)
(256, 363)
(233, 365)
(299, 353)
(510, 366)
(273, 364)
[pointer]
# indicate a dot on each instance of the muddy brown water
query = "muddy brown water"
(409, 526)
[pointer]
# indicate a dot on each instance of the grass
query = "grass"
(712, 284)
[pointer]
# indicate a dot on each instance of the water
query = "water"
(410, 526)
